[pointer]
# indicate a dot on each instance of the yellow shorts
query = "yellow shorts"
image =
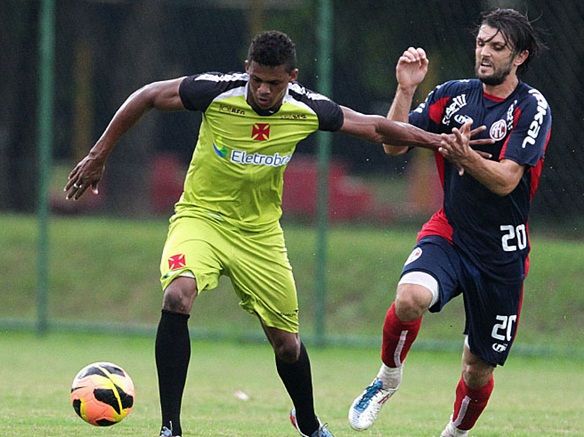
(256, 262)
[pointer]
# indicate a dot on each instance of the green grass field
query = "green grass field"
(104, 272)
(541, 397)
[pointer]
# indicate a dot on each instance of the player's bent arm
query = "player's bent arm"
(87, 173)
(377, 129)
(501, 177)
(399, 111)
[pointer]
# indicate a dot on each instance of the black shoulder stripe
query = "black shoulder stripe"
(198, 91)
(330, 116)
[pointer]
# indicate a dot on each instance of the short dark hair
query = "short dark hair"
(273, 48)
(517, 31)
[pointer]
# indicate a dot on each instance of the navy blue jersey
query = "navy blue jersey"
(491, 230)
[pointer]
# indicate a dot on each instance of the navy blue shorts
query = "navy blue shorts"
(492, 308)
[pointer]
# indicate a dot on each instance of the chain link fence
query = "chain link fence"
(106, 49)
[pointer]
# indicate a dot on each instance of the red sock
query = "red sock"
(469, 403)
(398, 337)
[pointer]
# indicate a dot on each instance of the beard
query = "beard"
(496, 78)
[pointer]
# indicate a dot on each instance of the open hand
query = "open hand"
(86, 174)
(456, 147)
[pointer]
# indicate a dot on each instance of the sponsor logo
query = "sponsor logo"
(498, 130)
(245, 158)
(220, 151)
(230, 109)
(176, 262)
(420, 108)
(293, 117)
(275, 160)
(456, 105)
(510, 112)
(537, 121)
(416, 253)
(461, 119)
(498, 347)
(260, 131)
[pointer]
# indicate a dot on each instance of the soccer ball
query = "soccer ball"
(102, 394)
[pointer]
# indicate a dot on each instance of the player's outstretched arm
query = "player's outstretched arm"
(378, 129)
(163, 95)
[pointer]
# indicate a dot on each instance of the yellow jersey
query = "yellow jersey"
(236, 173)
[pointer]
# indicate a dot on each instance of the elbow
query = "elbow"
(147, 94)
(155, 95)
(142, 98)
(376, 134)
(394, 150)
(503, 190)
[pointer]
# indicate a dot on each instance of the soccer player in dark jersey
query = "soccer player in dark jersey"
(226, 221)
(477, 244)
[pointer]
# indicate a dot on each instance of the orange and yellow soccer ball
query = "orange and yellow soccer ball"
(102, 394)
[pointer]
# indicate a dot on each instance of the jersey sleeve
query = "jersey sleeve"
(329, 113)
(531, 131)
(195, 94)
(198, 91)
(428, 114)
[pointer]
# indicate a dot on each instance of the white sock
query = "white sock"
(453, 431)
(390, 376)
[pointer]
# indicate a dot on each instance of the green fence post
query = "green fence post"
(325, 30)
(45, 138)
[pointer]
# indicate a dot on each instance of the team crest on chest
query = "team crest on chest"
(416, 253)
(260, 131)
(498, 130)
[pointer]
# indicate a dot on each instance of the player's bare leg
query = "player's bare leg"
(173, 351)
(472, 394)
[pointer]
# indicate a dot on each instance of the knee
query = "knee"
(287, 351)
(179, 295)
(411, 301)
(477, 374)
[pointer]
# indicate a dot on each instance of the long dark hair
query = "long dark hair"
(517, 31)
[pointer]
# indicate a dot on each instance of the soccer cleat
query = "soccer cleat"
(366, 407)
(452, 431)
(322, 430)
(165, 432)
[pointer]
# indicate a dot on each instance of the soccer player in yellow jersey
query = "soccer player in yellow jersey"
(227, 219)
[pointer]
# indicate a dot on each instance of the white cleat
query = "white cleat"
(366, 407)
(165, 432)
(452, 431)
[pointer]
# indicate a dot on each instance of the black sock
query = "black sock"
(297, 379)
(173, 352)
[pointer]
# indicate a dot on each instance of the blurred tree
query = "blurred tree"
(138, 58)
(107, 49)
(18, 133)
(558, 73)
